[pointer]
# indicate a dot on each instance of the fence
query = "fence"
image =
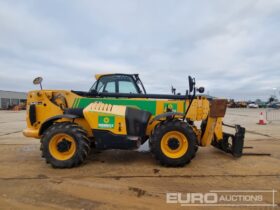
(272, 115)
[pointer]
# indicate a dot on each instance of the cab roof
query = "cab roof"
(97, 76)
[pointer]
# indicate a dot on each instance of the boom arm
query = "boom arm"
(217, 111)
(213, 133)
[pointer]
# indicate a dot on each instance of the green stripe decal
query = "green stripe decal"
(78, 102)
(147, 105)
(74, 103)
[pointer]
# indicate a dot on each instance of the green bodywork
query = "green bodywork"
(145, 104)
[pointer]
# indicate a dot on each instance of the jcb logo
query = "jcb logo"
(106, 122)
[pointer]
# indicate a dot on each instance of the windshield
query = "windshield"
(141, 87)
(117, 84)
(93, 87)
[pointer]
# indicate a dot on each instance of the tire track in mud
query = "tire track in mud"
(6, 134)
(12, 121)
(261, 134)
(17, 144)
(42, 176)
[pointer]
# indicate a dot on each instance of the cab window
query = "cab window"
(106, 85)
(127, 87)
(110, 87)
(117, 84)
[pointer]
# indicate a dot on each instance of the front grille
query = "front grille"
(32, 114)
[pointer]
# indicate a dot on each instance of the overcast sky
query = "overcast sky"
(231, 47)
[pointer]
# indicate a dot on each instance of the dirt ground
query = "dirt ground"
(132, 179)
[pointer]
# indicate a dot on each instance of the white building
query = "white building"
(11, 98)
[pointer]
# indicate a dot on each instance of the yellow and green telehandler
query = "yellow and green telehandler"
(117, 113)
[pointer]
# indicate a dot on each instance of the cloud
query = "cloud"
(231, 47)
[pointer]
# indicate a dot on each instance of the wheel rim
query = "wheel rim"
(62, 146)
(174, 144)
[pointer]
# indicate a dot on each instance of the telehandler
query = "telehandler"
(117, 113)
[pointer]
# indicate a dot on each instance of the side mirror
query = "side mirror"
(38, 81)
(191, 84)
(201, 90)
(173, 90)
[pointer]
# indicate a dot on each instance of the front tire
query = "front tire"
(65, 145)
(173, 143)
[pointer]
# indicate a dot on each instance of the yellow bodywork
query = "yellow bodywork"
(97, 76)
(46, 108)
(98, 111)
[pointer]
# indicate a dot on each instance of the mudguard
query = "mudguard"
(166, 114)
(47, 123)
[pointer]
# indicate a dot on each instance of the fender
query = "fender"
(166, 114)
(47, 123)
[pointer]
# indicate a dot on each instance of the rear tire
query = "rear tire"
(173, 143)
(65, 145)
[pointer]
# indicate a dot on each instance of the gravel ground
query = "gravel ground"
(132, 179)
